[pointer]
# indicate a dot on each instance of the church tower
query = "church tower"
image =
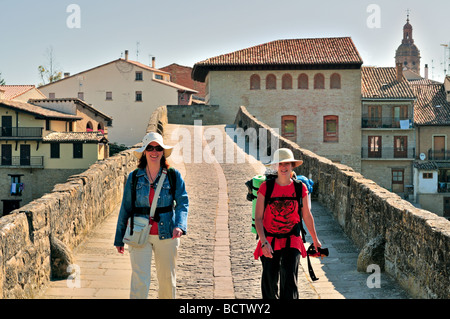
(407, 53)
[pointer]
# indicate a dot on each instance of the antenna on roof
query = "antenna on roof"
(137, 51)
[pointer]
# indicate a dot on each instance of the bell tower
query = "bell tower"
(407, 53)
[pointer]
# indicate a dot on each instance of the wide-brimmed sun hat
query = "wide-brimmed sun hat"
(153, 137)
(285, 155)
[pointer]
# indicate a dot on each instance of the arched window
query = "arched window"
(100, 128)
(331, 129)
(335, 81)
(89, 127)
(255, 82)
(271, 82)
(319, 81)
(286, 82)
(303, 82)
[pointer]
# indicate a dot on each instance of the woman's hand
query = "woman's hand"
(267, 249)
(177, 232)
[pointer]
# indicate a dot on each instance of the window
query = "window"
(303, 82)
(286, 82)
(109, 96)
(319, 81)
(101, 128)
(331, 129)
(427, 175)
(255, 82)
(54, 150)
(139, 76)
(399, 113)
(6, 154)
(47, 125)
(77, 150)
(271, 82)
(16, 186)
(374, 120)
(89, 127)
(400, 146)
(289, 127)
(81, 95)
(374, 144)
(159, 77)
(70, 126)
(138, 96)
(335, 81)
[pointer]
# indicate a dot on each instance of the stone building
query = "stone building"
(432, 167)
(387, 129)
(309, 89)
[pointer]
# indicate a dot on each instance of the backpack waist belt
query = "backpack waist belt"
(296, 231)
(158, 211)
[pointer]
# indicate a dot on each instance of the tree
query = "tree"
(2, 80)
(49, 72)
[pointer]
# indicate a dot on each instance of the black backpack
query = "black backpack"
(270, 185)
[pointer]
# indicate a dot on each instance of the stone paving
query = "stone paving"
(215, 259)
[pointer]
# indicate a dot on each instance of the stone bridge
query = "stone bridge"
(75, 224)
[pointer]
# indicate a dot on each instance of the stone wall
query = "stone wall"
(187, 114)
(62, 218)
(417, 242)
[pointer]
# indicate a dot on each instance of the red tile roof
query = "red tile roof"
(381, 83)
(288, 54)
(38, 111)
(13, 91)
(431, 107)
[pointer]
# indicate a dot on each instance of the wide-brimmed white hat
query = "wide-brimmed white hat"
(153, 137)
(285, 155)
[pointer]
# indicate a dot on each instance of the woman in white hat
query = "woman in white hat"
(278, 222)
(167, 225)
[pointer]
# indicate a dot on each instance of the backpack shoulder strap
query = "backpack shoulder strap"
(172, 181)
(133, 188)
(270, 185)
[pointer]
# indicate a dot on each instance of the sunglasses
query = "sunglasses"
(152, 148)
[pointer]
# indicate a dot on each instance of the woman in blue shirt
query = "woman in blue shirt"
(168, 223)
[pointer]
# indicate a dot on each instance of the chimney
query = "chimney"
(66, 74)
(153, 62)
(426, 71)
(1, 94)
(126, 55)
(399, 72)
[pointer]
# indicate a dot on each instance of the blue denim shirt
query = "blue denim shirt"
(168, 221)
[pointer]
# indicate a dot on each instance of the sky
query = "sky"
(84, 34)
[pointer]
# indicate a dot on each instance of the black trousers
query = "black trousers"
(283, 268)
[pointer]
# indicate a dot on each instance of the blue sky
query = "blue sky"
(189, 31)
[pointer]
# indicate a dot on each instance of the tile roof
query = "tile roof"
(291, 53)
(13, 91)
(42, 102)
(431, 106)
(381, 83)
(38, 111)
(70, 137)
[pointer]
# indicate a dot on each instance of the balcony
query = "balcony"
(387, 122)
(388, 153)
(22, 162)
(442, 155)
(20, 132)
